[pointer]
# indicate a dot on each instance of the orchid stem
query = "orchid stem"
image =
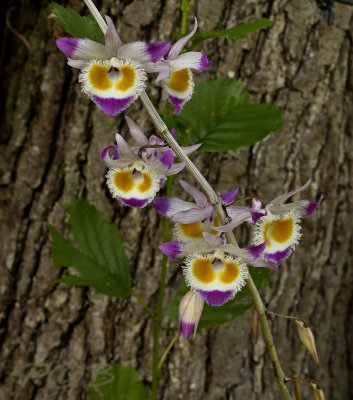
(158, 316)
(216, 202)
(282, 315)
(167, 350)
(185, 9)
(143, 304)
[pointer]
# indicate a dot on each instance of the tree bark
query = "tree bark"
(53, 338)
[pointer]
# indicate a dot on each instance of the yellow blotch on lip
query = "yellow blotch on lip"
(146, 183)
(123, 181)
(193, 230)
(179, 81)
(128, 78)
(265, 233)
(230, 273)
(202, 270)
(98, 77)
(282, 229)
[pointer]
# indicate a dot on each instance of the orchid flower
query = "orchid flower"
(277, 223)
(214, 269)
(190, 310)
(192, 219)
(112, 75)
(175, 73)
(137, 173)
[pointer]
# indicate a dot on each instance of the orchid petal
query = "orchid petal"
(228, 197)
(171, 249)
(82, 49)
(192, 59)
(79, 64)
(170, 206)
(190, 149)
(136, 133)
(193, 215)
(111, 105)
(239, 219)
(178, 46)
(212, 240)
(112, 39)
(175, 168)
(200, 198)
(146, 54)
(166, 159)
(282, 198)
(124, 149)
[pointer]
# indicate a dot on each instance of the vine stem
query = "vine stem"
(167, 350)
(214, 199)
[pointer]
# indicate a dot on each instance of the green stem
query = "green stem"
(283, 316)
(158, 315)
(167, 350)
(143, 304)
(185, 9)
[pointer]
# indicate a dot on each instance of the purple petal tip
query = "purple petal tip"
(67, 46)
(204, 62)
(135, 202)
(229, 197)
(170, 249)
(178, 103)
(186, 328)
(216, 297)
(167, 158)
(278, 256)
(312, 206)
(111, 105)
(157, 50)
(105, 153)
(161, 205)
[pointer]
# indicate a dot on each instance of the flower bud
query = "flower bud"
(307, 337)
(190, 310)
(318, 392)
(255, 325)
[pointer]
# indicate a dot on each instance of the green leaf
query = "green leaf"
(102, 263)
(214, 316)
(116, 382)
(221, 116)
(76, 25)
(236, 33)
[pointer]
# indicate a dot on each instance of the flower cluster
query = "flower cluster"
(214, 270)
(113, 75)
(137, 173)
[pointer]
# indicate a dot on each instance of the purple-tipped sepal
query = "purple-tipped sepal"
(162, 205)
(67, 46)
(171, 249)
(311, 207)
(157, 50)
(204, 62)
(228, 197)
(190, 310)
